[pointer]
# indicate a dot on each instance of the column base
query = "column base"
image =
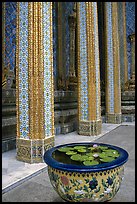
(90, 128)
(32, 151)
(114, 118)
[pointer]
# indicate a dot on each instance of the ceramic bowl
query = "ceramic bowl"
(79, 183)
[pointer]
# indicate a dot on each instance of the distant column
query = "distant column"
(113, 86)
(34, 81)
(89, 110)
(122, 44)
(132, 40)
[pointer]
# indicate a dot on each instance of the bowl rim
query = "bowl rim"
(50, 161)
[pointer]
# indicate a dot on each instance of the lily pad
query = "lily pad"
(103, 147)
(107, 159)
(81, 150)
(65, 149)
(92, 148)
(71, 152)
(90, 154)
(103, 155)
(89, 163)
(79, 147)
(76, 157)
(84, 157)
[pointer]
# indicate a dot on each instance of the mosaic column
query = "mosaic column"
(34, 81)
(113, 87)
(60, 51)
(132, 40)
(122, 44)
(89, 99)
(72, 56)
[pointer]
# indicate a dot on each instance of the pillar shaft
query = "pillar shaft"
(132, 39)
(89, 110)
(34, 81)
(122, 44)
(113, 87)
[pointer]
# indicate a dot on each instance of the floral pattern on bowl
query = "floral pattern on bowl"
(86, 187)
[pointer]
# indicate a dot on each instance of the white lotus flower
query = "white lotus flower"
(80, 181)
(79, 192)
(95, 155)
(95, 145)
(108, 190)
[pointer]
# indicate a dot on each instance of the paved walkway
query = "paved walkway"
(22, 182)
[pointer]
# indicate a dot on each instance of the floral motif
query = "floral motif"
(93, 183)
(86, 187)
(64, 180)
(109, 181)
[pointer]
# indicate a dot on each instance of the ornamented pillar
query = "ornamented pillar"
(34, 81)
(72, 67)
(60, 53)
(132, 39)
(122, 44)
(89, 110)
(113, 87)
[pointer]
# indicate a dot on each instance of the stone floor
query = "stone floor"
(23, 182)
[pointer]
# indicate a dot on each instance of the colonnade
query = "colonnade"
(34, 75)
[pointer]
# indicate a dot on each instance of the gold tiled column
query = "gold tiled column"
(113, 87)
(89, 110)
(34, 81)
(122, 44)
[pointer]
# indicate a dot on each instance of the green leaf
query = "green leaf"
(65, 149)
(71, 152)
(79, 147)
(107, 159)
(85, 188)
(81, 150)
(97, 190)
(90, 163)
(76, 157)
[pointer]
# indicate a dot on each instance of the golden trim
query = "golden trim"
(78, 60)
(91, 63)
(36, 70)
(30, 68)
(41, 72)
(125, 45)
(17, 70)
(51, 70)
(117, 85)
(106, 58)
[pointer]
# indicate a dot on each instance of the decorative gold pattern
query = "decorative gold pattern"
(17, 71)
(90, 77)
(30, 69)
(86, 186)
(113, 86)
(32, 151)
(41, 73)
(90, 128)
(125, 43)
(113, 118)
(36, 73)
(117, 85)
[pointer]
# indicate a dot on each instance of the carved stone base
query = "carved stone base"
(90, 128)
(113, 118)
(32, 151)
(130, 84)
